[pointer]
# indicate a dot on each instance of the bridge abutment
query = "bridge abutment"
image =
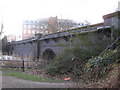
(48, 46)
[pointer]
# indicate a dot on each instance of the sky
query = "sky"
(13, 12)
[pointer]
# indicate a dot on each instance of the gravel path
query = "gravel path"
(12, 82)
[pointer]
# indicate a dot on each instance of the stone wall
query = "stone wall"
(48, 46)
(26, 50)
(103, 37)
(113, 20)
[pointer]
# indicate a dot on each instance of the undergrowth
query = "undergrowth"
(78, 64)
(72, 60)
(83, 61)
(97, 68)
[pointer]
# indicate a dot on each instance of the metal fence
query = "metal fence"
(17, 64)
(113, 45)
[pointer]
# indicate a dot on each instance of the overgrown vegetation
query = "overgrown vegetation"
(73, 59)
(84, 62)
(97, 68)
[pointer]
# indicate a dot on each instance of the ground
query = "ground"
(12, 82)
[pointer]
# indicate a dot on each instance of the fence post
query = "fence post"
(23, 66)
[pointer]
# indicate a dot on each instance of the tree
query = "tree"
(53, 25)
(66, 24)
(41, 26)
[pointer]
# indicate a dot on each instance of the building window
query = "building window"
(37, 31)
(33, 32)
(33, 26)
(41, 27)
(25, 26)
(29, 26)
(41, 31)
(29, 36)
(46, 31)
(29, 31)
(24, 31)
(24, 37)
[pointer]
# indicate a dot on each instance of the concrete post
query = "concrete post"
(38, 45)
(113, 19)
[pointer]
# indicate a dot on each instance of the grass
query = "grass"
(25, 76)
(13, 69)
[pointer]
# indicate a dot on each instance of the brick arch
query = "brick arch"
(48, 54)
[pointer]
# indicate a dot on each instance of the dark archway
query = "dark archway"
(48, 54)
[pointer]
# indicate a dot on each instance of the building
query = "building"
(11, 38)
(46, 26)
(30, 28)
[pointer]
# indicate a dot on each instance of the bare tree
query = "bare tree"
(53, 24)
(65, 24)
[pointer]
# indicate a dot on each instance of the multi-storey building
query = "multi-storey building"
(47, 26)
(30, 28)
(11, 38)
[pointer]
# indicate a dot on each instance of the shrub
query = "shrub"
(65, 63)
(98, 67)
(73, 59)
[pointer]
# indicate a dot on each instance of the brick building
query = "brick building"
(30, 28)
(11, 38)
(46, 26)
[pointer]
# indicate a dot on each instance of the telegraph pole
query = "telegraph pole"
(1, 31)
(1, 28)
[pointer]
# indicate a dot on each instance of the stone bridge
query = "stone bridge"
(48, 46)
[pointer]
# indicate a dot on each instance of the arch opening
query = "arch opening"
(48, 54)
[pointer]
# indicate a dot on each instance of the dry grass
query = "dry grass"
(111, 81)
(17, 61)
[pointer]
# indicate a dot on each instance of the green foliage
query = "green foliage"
(73, 59)
(82, 60)
(116, 33)
(65, 63)
(30, 77)
(98, 67)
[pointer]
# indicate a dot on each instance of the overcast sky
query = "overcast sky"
(14, 12)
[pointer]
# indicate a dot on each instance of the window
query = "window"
(29, 31)
(24, 31)
(25, 26)
(33, 26)
(41, 27)
(29, 26)
(29, 36)
(24, 37)
(37, 31)
(37, 27)
(33, 32)
(41, 32)
(46, 31)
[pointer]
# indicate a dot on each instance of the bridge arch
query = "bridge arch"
(48, 54)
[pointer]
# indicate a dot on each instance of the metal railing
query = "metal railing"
(17, 64)
(110, 46)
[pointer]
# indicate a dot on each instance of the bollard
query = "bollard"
(23, 66)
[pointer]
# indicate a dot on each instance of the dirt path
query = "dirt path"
(12, 82)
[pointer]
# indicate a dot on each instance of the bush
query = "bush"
(73, 59)
(98, 67)
(65, 63)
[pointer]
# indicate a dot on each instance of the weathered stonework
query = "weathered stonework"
(47, 46)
